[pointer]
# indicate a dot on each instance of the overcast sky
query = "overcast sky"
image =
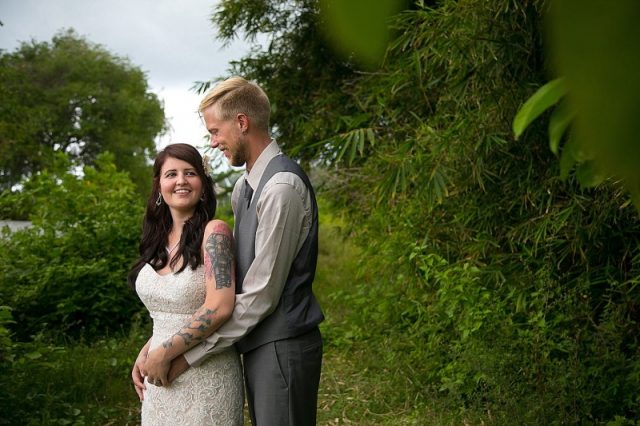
(172, 41)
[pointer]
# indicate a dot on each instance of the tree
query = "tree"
(298, 69)
(504, 288)
(66, 275)
(75, 97)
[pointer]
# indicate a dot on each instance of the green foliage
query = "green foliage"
(67, 274)
(602, 80)
(602, 87)
(74, 97)
(588, 171)
(359, 30)
(6, 345)
(544, 98)
(501, 287)
(81, 384)
(298, 69)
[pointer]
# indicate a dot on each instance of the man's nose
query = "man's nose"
(213, 143)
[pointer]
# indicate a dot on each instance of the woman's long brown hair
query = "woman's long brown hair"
(157, 220)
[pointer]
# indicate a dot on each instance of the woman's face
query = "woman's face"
(180, 185)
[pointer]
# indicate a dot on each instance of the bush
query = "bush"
(80, 384)
(67, 273)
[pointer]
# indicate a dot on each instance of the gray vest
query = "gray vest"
(298, 310)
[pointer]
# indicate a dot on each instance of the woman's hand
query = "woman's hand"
(137, 372)
(156, 367)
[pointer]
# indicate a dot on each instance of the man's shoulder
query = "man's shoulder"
(289, 180)
(282, 163)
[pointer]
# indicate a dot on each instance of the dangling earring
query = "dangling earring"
(202, 198)
(159, 200)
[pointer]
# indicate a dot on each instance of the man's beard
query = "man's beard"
(239, 158)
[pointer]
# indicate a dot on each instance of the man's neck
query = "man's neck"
(257, 147)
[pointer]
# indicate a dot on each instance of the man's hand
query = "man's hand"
(156, 367)
(136, 373)
(178, 366)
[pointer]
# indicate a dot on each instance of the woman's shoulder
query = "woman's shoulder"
(217, 226)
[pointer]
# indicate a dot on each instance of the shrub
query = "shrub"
(67, 273)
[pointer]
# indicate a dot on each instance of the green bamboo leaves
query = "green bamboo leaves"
(573, 153)
(543, 99)
(596, 100)
(354, 142)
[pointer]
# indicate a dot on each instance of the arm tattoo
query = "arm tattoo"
(219, 259)
(194, 331)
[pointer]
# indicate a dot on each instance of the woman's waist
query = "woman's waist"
(166, 325)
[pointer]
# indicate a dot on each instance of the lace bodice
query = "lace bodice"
(171, 299)
(210, 394)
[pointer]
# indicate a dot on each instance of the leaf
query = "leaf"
(588, 174)
(359, 29)
(354, 142)
(604, 78)
(33, 355)
(371, 137)
(567, 159)
(558, 123)
(544, 98)
(521, 303)
(635, 199)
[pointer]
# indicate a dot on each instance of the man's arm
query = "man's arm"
(283, 216)
(178, 366)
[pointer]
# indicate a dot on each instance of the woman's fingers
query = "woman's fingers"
(138, 381)
(140, 392)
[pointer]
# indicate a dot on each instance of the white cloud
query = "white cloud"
(172, 41)
(183, 115)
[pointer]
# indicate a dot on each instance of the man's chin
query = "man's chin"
(232, 162)
(236, 162)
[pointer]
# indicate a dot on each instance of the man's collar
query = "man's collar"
(261, 163)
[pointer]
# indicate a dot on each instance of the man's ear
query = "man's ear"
(243, 123)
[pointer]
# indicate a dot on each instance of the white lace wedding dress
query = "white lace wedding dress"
(210, 394)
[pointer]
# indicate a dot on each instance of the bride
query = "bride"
(185, 277)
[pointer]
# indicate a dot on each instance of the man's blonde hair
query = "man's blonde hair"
(236, 95)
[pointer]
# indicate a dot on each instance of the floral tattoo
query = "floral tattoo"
(194, 331)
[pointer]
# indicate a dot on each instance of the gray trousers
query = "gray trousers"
(282, 380)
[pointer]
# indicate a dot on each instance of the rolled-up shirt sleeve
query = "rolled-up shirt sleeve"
(283, 223)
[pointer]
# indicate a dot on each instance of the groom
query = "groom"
(276, 316)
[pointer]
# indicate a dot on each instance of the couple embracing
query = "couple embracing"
(214, 294)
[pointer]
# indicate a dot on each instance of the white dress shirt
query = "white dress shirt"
(284, 219)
